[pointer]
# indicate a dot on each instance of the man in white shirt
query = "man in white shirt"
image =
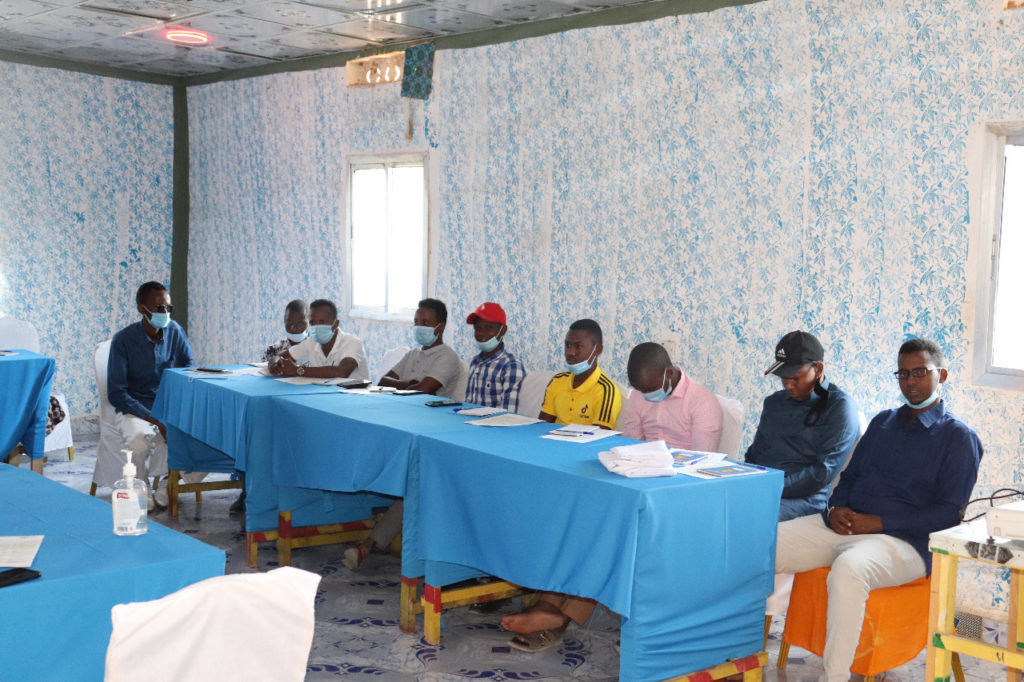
(432, 367)
(327, 353)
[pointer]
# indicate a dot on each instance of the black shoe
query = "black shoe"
(238, 506)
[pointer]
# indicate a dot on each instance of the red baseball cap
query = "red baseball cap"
(488, 312)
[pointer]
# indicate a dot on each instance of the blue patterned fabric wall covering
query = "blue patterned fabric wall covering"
(419, 71)
(713, 179)
(85, 209)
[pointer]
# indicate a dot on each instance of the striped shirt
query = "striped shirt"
(596, 401)
(495, 381)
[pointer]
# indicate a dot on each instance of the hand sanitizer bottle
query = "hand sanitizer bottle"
(129, 500)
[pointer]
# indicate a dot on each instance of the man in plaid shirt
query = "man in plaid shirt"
(495, 375)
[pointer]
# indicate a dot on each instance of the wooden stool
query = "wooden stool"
(749, 666)
(895, 628)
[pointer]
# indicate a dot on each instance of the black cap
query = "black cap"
(795, 350)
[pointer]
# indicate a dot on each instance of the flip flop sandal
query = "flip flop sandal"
(535, 642)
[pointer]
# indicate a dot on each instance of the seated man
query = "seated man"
(432, 368)
(583, 395)
(328, 353)
(296, 326)
(807, 429)
(910, 475)
(139, 354)
(495, 375)
(668, 405)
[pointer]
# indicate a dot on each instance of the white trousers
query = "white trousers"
(149, 449)
(860, 563)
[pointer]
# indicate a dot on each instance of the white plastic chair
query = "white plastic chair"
(531, 392)
(18, 334)
(732, 426)
(246, 626)
(109, 459)
(390, 359)
(459, 390)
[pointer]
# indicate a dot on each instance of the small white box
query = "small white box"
(1006, 521)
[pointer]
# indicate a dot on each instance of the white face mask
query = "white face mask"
(297, 338)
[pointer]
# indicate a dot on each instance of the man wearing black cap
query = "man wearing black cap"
(807, 429)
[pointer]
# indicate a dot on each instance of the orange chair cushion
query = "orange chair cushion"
(895, 625)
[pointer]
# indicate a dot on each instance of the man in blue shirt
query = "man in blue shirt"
(139, 354)
(495, 375)
(911, 474)
(807, 430)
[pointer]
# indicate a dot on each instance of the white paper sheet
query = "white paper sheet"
(579, 433)
(480, 411)
(310, 381)
(19, 551)
(507, 419)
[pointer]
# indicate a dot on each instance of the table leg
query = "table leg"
(284, 538)
(408, 605)
(431, 614)
(1014, 634)
(37, 465)
(172, 492)
(251, 550)
(940, 616)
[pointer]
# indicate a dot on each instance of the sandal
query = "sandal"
(535, 642)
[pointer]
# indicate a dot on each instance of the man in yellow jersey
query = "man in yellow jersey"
(583, 395)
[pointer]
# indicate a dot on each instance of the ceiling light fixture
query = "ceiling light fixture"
(186, 36)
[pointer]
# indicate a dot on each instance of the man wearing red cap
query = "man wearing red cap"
(495, 375)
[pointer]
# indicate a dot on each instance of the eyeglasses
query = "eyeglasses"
(163, 309)
(917, 373)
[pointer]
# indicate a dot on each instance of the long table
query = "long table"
(686, 562)
(25, 378)
(57, 627)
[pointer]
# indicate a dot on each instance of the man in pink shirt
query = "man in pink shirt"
(668, 405)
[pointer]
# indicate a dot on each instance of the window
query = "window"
(388, 235)
(997, 251)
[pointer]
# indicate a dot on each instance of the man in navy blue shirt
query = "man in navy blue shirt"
(807, 429)
(139, 354)
(911, 474)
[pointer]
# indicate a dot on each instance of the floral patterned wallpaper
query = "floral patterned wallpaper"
(712, 180)
(85, 209)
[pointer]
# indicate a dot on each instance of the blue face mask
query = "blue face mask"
(660, 394)
(321, 333)
(488, 345)
(297, 338)
(581, 366)
(424, 336)
(159, 320)
(924, 403)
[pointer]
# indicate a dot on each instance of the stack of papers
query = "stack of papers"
(507, 419)
(19, 551)
(723, 469)
(480, 411)
(579, 433)
(643, 460)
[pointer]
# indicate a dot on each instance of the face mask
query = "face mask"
(581, 366)
(297, 338)
(660, 394)
(321, 333)
(488, 345)
(159, 320)
(924, 403)
(424, 336)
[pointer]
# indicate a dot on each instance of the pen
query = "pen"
(572, 434)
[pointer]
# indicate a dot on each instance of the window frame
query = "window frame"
(390, 160)
(986, 164)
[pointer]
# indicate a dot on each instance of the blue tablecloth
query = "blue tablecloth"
(57, 627)
(235, 416)
(686, 562)
(25, 380)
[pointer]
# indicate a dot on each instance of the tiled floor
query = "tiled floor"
(357, 635)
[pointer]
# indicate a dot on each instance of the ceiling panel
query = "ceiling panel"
(130, 34)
